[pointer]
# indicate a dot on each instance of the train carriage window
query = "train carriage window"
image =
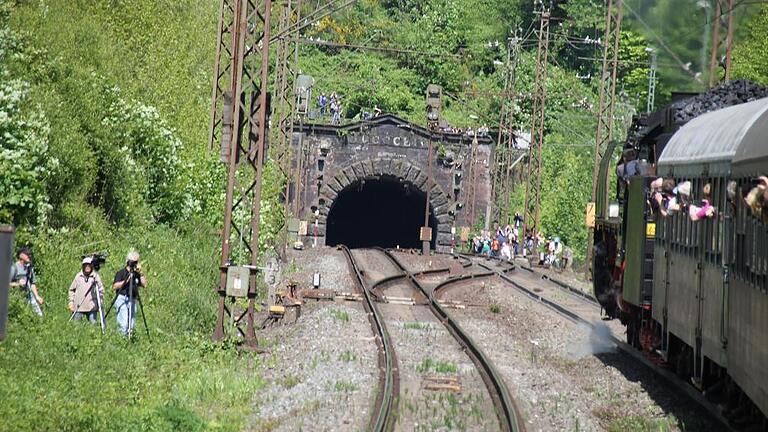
(747, 246)
(690, 226)
(710, 245)
(680, 231)
(675, 230)
(696, 228)
(764, 257)
(711, 232)
(740, 228)
(750, 259)
(719, 201)
(751, 238)
(761, 248)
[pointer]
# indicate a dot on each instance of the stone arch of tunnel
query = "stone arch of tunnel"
(380, 202)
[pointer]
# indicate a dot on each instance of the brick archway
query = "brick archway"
(406, 173)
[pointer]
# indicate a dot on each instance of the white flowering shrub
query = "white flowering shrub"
(24, 160)
(149, 163)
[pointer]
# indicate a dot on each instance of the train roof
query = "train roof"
(714, 139)
(751, 157)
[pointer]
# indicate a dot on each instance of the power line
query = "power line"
(372, 48)
(682, 65)
(313, 17)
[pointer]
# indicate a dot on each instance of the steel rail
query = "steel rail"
(389, 279)
(461, 278)
(665, 375)
(578, 293)
(381, 418)
(581, 294)
(508, 414)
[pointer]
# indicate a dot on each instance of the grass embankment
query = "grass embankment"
(65, 376)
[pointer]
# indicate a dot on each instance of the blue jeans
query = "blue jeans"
(91, 316)
(34, 304)
(122, 303)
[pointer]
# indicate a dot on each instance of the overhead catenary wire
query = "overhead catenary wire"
(312, 18)
(319, 42)
(724, 12)
(663, 44)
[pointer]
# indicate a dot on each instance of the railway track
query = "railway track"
(582, 308)
(381, 418)
(377, 271)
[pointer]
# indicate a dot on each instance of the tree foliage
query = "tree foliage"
(750, 56)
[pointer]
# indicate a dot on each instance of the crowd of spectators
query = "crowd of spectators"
(331, 105)
(482, 131)
(507, 243)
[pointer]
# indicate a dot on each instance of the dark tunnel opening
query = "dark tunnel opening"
(378, 212)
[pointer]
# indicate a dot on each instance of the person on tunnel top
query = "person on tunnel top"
(483, 130)
(322, 101)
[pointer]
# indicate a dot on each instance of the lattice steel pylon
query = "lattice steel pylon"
(286, 70)
(607, 106)
(503, 154)
(241, 70)
(532, 216)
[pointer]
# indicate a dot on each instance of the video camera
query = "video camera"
(98, 258)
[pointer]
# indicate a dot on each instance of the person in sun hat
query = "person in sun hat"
(86, 292)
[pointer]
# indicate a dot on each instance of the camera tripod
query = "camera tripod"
(28, 289)
(98, 304)
(131, 297)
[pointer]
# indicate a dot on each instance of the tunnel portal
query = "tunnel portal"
(380, 212)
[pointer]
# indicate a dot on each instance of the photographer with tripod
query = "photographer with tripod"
(127, 283)
(86, 293)
(23, 276)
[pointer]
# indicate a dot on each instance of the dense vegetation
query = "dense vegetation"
(103, 122)
(103, 112)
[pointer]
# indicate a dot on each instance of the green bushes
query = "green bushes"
(80, 131)
(67, 376)
(25, 163)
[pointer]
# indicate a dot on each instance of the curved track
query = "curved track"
(381, 419)
(504, 406)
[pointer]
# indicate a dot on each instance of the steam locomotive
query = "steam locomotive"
(692, 291)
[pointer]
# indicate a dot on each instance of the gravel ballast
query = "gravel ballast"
(566, 376)
(322, 372)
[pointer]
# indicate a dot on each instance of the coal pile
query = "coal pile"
(722, 96)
